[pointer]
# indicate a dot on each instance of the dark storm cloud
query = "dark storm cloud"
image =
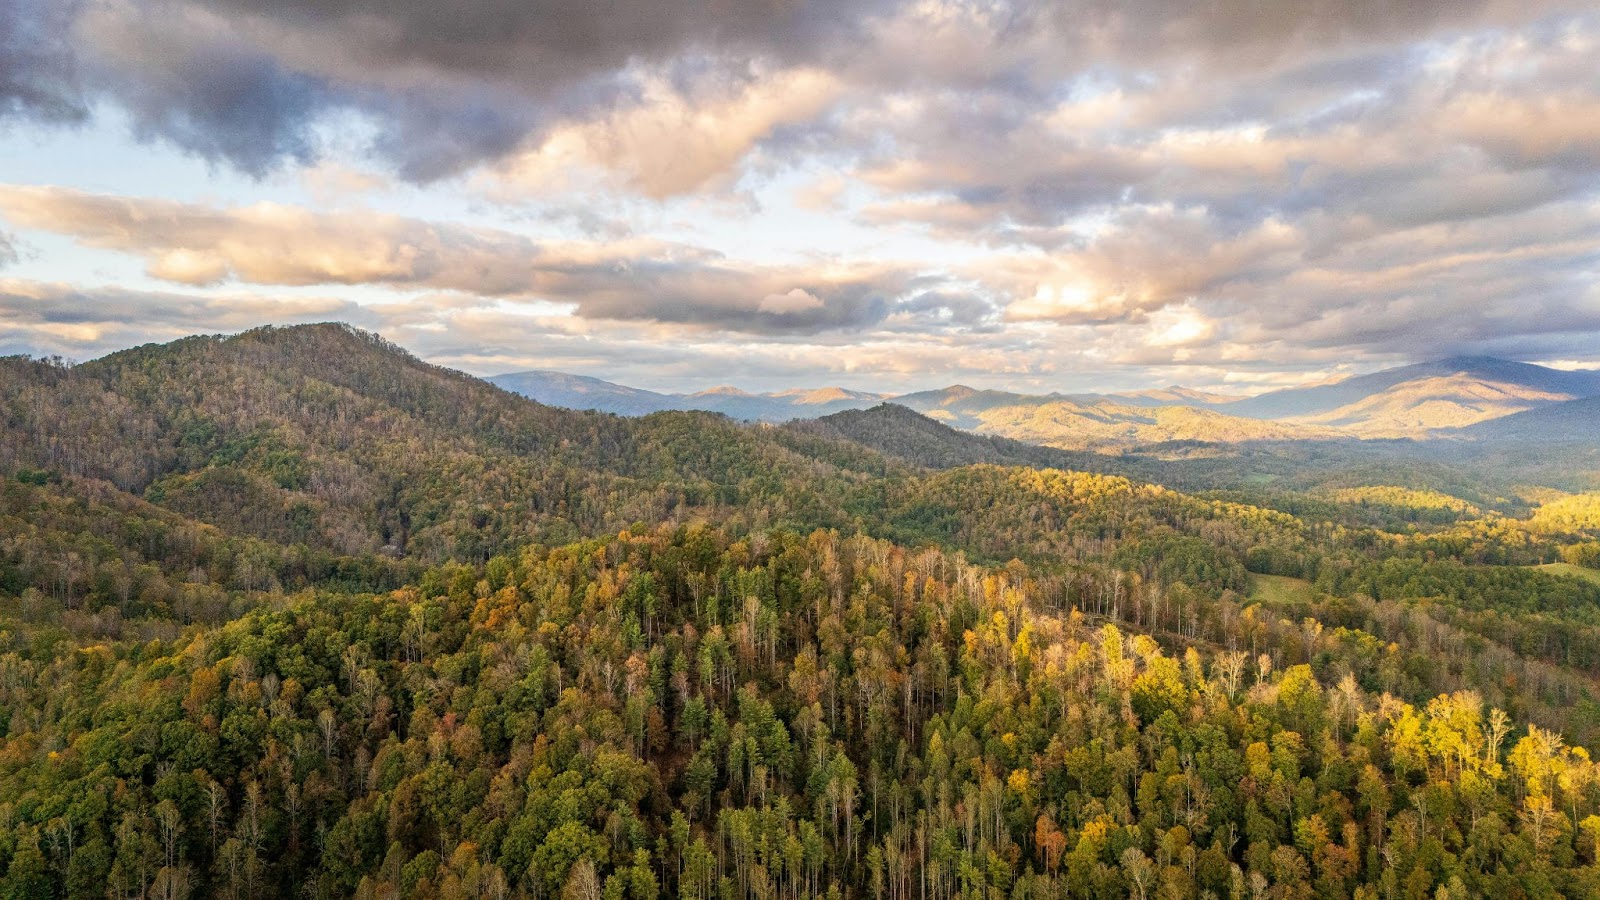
(446, 85)
(205, 90)
(530, 44)
(37, 76)
(427, 136)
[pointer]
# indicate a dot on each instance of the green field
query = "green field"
(1279, 589)
(1572, 570)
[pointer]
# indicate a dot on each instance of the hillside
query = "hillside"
(1174, 395)
(1419, 407)
(1093, 422)
(963, 407)
(1409, 384)
(293, 612)
(1107, 426)
(1574, 421)
(904, 434)
(333, 438)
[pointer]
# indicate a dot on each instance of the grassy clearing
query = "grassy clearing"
(1280, 589)
(1571, 570)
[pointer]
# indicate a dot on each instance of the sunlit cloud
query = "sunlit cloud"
(669, 141)
(636, 279)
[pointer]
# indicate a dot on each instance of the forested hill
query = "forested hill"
(905, 434)
(331, 437)
(293, 613)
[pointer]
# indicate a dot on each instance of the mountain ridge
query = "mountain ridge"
(1572, 421)
(1322, 399)
(1433, 399)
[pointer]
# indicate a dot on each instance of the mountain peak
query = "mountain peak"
(317, 331)
(312, 346)
(957, 391)
(815, 396)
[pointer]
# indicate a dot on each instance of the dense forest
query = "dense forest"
(294, 613)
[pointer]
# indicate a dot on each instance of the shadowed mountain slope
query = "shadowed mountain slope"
(583, 392)
(1574, 421)
(1535, 383)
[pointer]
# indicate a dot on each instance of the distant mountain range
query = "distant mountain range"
(1446, 393)
(1462, 398)
(583, 392)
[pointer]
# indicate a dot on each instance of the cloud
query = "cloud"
(1315, 128)
(530, 44)
(444, 87)
(83, 322)
(37, 71)
(1524, 131)
(449, 86)
(670, 141)
(331, 184)
(1219, 184)
(625, 280)
(795, 301)
(193, 79)
(488, 336)
(269, 243)
(1148, 259)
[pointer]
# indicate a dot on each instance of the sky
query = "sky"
(889, 196)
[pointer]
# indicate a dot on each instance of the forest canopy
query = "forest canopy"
(293, 613)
